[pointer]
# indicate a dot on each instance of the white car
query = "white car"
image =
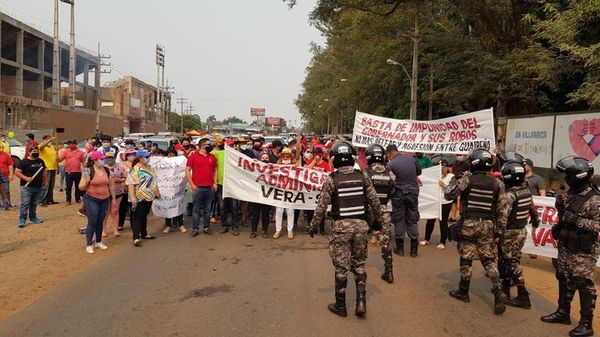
(17, 150)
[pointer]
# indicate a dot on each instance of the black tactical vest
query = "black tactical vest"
(517, 219)
(382, 183)
(480, 197)
(349, 198)
(574, 238)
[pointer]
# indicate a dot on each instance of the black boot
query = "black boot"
(388, 273)
(399, 250)
(462, 293)
(562, 314)
(588, 302)
(506, 287)
(339, 307)
(499, 300)
(522, 299)
(361, 295)
(414, 247)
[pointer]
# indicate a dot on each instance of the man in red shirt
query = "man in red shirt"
(201, 174)
(6, 171)
(73, 158)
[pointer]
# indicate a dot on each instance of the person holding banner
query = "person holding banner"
(405, 202)
(284, 159)
(446, 208)
(578, 245)
(143, 189)
(261, 211)
(349, 192)
(482, 200)
(34, 179)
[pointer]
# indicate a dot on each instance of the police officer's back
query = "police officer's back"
(349, 192)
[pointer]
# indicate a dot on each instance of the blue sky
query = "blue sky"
(224, 56)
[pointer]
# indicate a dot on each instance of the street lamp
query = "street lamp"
(413, 89)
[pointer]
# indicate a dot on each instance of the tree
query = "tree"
(211, 120)
(518, 56)
(234, 120)
(190, 122)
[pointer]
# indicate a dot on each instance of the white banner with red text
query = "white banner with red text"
(540, 240)
(299, 187)
(454, 135)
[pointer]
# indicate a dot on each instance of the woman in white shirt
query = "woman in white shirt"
(446, 207)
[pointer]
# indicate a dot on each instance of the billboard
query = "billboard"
(274, 121)
(257, 111)
(531, 137)
(578, 135)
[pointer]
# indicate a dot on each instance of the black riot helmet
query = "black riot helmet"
(578, 171)
(505, 157)
(480, 160)
(375, 153)
(513, 173)
(342, 154)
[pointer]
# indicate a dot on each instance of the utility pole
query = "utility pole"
(181, 100)
(160, 62)
(190, 110)
(72, 57)
(167, 92)
(56, 60)
(99, 72)
(415, 69)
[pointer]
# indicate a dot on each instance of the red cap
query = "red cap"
(97, 155)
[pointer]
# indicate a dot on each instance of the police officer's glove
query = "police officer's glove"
(535, 221)
(310, 231)
(570, 218)
(376, 226)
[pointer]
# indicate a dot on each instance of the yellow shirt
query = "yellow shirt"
(5, 147)
(48, 155)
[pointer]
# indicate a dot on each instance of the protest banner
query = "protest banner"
(170, 178)
(577, 135)
(430, 193)
(299, 187)
(276, 185)
(540, 240)
(455, 135)
(532, 138)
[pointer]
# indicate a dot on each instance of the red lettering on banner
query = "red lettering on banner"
(401, 127)
(470, 123)
(262, 178)
(314, 177)
(249, 166)
(437, 137)
(542, 236)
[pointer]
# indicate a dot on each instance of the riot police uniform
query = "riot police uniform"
(513, 219)
(349, 192)
(506, 278)
(383, 184)
(578, 245)
(482, 197)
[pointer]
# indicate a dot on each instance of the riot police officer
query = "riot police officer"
(349, 192)
(506, 278)
(515, 213)
(481, 197)
(578, 246)
(384, 183)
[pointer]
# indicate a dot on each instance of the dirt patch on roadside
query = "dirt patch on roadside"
(39, 257)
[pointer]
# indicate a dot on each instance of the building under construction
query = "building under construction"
(26, 90)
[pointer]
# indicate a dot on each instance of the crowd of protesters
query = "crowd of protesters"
(114, 185)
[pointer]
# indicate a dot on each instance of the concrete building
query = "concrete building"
(26, 64)
(134, 102)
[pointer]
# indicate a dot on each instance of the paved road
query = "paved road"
(235, 286)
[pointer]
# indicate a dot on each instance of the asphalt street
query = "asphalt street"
(222, 285)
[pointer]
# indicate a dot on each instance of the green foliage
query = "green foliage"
(234, 120)
(518, 56)
(190, 122)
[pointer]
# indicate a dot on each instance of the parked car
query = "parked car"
(17, 150)
(270, 139)
(163, 143)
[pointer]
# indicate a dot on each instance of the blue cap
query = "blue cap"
(142, 153)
